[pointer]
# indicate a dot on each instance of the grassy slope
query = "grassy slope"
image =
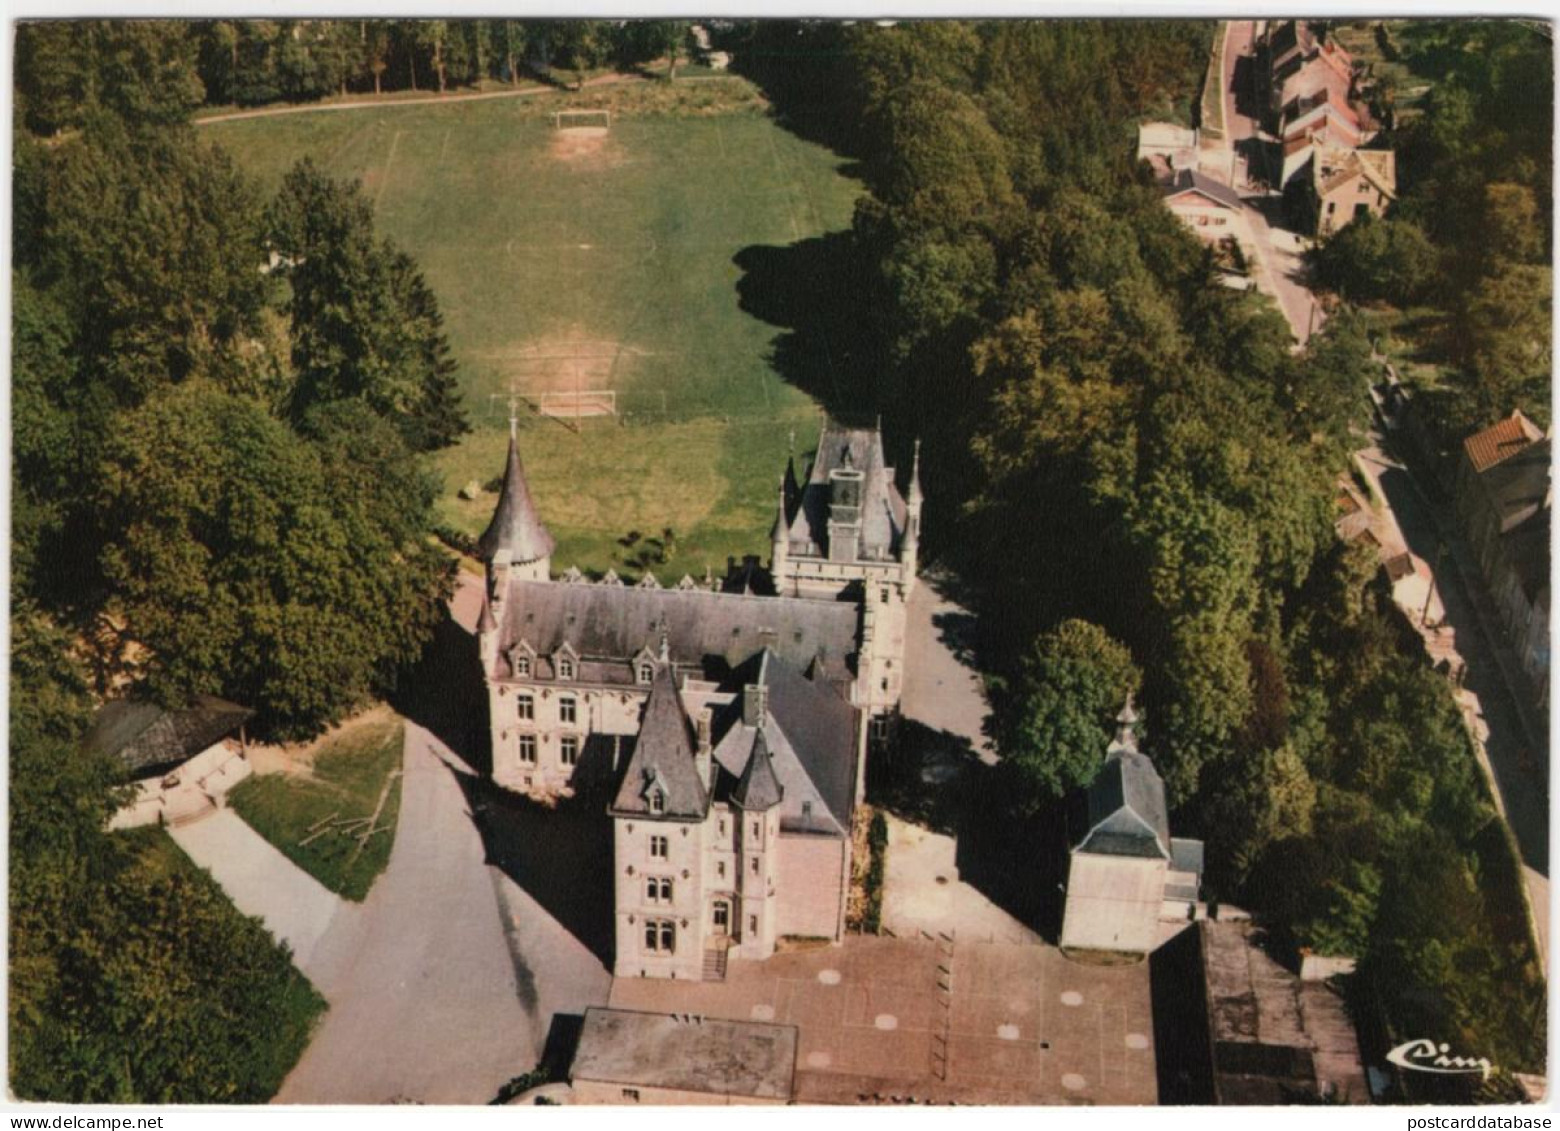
(350, 772)
(625, 256)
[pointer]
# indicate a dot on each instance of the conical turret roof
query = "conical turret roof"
(664, 759)
(516, 526)
(758, 789)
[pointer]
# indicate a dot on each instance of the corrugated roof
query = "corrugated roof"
(1189, 180)
(663, 760)
(515, 526)
(146, 737)
(1501, 441)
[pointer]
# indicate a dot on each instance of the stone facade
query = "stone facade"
(729, 727)
(847, 534)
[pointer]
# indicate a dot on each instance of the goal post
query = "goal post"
(582, 119)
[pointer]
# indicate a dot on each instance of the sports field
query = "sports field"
(573, 261)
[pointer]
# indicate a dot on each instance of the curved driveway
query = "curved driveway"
(426, 1000)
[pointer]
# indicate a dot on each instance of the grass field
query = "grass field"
(564, 262)
(356, 775)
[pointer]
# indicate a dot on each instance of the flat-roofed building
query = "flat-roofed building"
(627, 1057)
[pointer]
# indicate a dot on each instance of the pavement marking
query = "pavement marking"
(1007, 1032)
(763, 1013)
(1073, 1082)
(829, 977)
(1072, 998)
(1137, 1041)
(818, 1059)
(886, 1021)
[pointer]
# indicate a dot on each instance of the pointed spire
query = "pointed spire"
(781, 529)
(664, 648)
(665, 752)
(516, 526)
(915, 496)
(486, 623)
(758, 789)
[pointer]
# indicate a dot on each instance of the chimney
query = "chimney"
(755, 700)
(703, 756)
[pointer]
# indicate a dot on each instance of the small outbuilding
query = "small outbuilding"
(182, 761)
(626, 1057)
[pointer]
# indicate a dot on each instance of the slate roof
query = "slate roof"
(515, 526)
(882, 507)
(1501, 441)
(712, 631)
(663, 759)
(758, 790)
(1190, 180)
(1126, 807)
(810, 734)
(147, 738)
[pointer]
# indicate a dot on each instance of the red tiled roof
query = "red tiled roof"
(1501, 441)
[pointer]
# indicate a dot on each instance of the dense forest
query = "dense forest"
(161, 70)
(1469, 241)
(220, 407)
(221, 404)
(1135, 475)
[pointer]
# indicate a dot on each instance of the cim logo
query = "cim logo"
(1427, 1056)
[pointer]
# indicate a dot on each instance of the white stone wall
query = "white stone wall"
(1113, 902)
(634, 864)
(597, 710)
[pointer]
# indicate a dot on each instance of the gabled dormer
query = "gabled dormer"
(522, 660)
(566, 662)
(644, 666)
(655, 793)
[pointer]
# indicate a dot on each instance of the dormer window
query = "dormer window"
(565, 668)
(565, 663)
(522, 664)
(645, 672)
(657, 801)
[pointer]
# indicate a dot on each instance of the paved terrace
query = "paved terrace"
(885, 1020)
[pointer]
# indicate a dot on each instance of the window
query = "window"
(569, 749)
(807, 810)
(756, 828)
(525, 706)
(720, 826)
(658, 889)
(752, 924)
(883, 596)
(568, 709)
(880, 728)
(720, 869)
(646, 672)
(722, 916)
(631, 1095)
(660, 936)
(521, 663)
(660, 849)
(657, 801)
(528, 749)
(754, 863)
(565, 667)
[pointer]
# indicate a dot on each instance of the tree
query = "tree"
(289, 575)
(364, 322)
(1052, 724)
(141, 71)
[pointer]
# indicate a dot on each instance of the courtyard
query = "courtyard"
(935, 1020)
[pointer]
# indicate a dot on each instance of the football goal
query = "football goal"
(582, 119)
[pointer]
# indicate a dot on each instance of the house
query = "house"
(181, 761)
(1326, 77)
(1211, 210)
(1326, 117)
(728, 723)
(1169, 148)
(1295, 58)
(1346, 184)
(1126, 871)
(1504, 493)
(628, 1057)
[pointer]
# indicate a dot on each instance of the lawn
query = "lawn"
(321, 819)
(567, 263)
